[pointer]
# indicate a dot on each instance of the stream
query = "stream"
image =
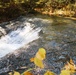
(56, 34)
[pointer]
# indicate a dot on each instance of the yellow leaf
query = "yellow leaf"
(66, 67)
(71, 62)
(32, 59)
(65, 72)
(10, 73)
(27, 73)
(42, 51)
(49, 73)
(41, 54)
(15, 73)
(70, 66)
(38, 62)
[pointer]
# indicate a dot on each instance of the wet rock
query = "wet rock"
(2, 31)
(52, 45)
(64, 58)
(4, 70)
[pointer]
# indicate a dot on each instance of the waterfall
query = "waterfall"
(18, 38)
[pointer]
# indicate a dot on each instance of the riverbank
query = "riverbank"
(6, 15)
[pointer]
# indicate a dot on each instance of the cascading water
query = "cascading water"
(18, 38)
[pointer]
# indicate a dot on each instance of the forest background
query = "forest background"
(10, 9)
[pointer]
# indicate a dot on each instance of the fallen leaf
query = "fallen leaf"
(27, 73)
(10, 73)
(41, 54)
(42, 50)
(15, 73)
(65, 72)
(32, 59)
(70, 66)
(71, 62)
(49, 73)
(38, 62)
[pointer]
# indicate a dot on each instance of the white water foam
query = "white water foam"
(17, 39)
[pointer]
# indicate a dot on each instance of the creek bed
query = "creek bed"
(57, 36)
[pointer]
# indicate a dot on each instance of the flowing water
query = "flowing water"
(56, 34)
(18, 38)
